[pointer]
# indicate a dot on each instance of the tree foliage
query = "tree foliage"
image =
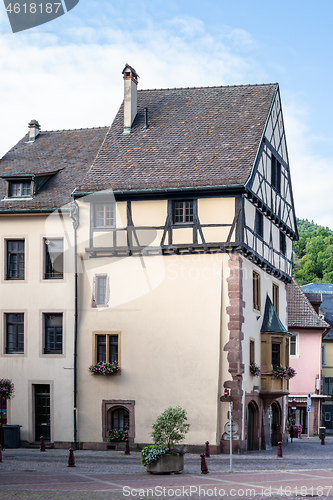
(313, 254)
(170, 426)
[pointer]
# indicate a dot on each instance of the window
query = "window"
(107, 348)
(183, 212)
(19, 189)
(323, 355)
(275, 293)
(276, 174)
(15, 259)
(101, 290)
(282, 243)
(293, 343)
(328, 386)
(252, 352)
(53, 258)
(53, 333)
(275, 354)
(256, 291)
(259, 224)
(14, 333)
(120, 419)
(104, 215)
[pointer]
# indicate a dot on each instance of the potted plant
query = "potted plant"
(103, 368)
(169, 429)
(6, 392)
(280, 372)
(255, 370)
(117, 435)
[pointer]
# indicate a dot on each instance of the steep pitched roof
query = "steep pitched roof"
(196, 137)
(271, 322)
(326, 291)
(301, 314)
(62, 156)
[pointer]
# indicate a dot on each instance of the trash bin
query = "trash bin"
(321, 431)
(12, 436)
(295, 431)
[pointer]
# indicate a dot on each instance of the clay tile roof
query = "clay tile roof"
(196, 137)
(62, 156)
(300, 312)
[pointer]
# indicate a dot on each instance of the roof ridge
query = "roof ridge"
(212, 87)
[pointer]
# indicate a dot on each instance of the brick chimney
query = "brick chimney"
(130, 97)
(34, 129)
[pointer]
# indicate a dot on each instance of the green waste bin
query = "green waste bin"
(12, 436)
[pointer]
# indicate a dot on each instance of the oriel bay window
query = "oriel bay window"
(107, 347)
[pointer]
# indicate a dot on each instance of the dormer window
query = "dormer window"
(19, 189)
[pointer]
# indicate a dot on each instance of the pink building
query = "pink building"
(308, 330)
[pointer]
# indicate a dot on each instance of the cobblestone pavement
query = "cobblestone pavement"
(306, 469)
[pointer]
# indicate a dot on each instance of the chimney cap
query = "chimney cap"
(34, 124)
(134, 73)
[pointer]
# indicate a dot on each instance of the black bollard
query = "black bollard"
(279, 449)
(127, 448)
(322, 438)
(207, 451)
(42, 444)
(71, 460)
(204, 468)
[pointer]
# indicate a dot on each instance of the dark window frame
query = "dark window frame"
(13, 321)
(183, 212)
(276, 173)
(276, 297)
(283, 244)
(256, 289)
(259, 224)
(15, 268)
(107, 347)
(120, 419)
(276, 354)
(53, 333)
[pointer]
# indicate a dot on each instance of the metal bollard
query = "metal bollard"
(322, 438)
(207, 452)
(204, 468)
(0, 453)
(71, 460)
(127, 448)
(42, 444)
(279, 449)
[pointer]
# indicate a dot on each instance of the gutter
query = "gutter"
(227, 187)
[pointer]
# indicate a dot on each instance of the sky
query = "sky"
(67, 73)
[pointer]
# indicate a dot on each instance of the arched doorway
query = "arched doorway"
(252, 426)
(276, 424)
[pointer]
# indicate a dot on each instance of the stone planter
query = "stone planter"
(167, 464)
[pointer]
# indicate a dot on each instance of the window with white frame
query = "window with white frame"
(101, 290)
(293, 344)
(104, 215)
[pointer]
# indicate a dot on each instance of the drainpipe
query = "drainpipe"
(74, 214)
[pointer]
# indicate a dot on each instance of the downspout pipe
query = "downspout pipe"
(74, 214)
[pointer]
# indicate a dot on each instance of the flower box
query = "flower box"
(167, 464)
(103, 368)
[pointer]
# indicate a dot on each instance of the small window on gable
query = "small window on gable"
(19, 189)
(259, 224)
(275, 293)
(276, 174)
(293, 345)
(256, 291)
(282, 243)
(183, 212)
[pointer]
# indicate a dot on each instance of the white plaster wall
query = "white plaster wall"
(33, 296)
